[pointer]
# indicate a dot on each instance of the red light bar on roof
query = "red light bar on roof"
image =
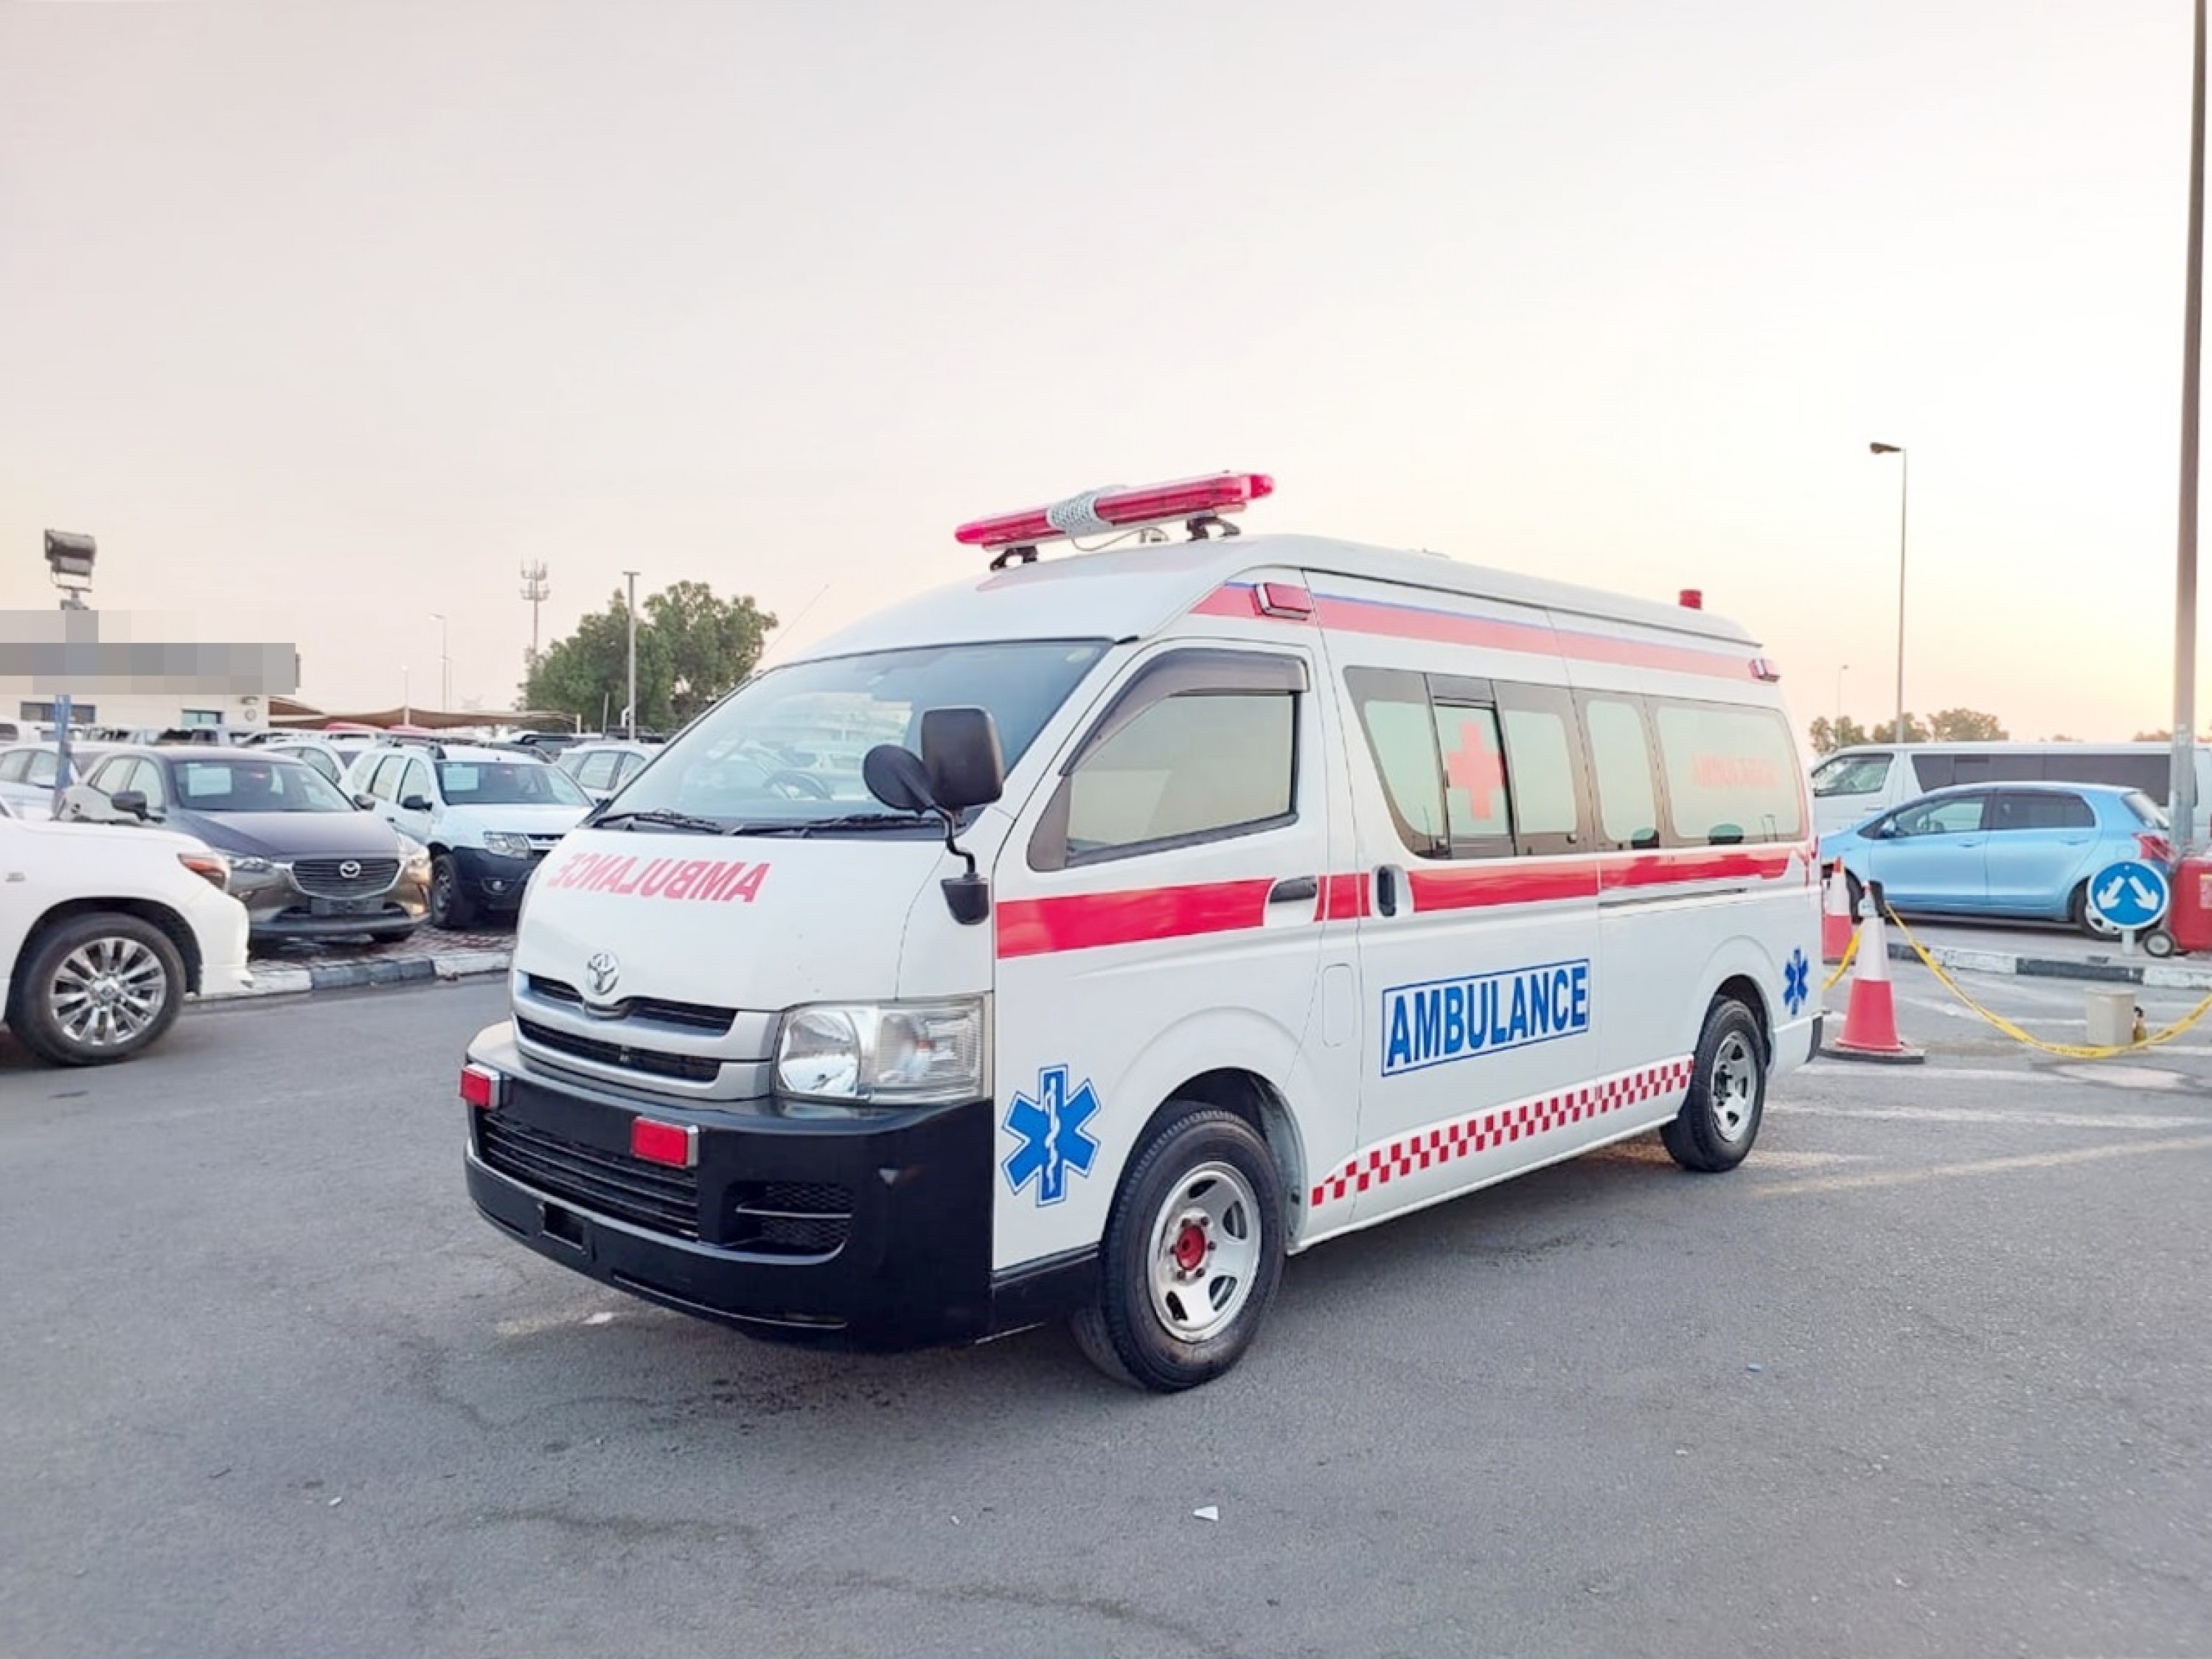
(1096, 512)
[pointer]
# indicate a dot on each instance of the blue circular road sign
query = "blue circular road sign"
(2129, 895)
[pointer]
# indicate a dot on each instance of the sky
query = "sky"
(326, 317)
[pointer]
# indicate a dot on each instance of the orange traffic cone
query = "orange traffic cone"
(1836, 915)
(1870, 1021)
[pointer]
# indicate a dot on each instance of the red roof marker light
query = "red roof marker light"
(1098, 511)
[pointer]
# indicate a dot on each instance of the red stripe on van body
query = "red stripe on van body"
(1479, 885)
(1408, 622)
(1343, 899)
(1081, 921)
(1696, 864)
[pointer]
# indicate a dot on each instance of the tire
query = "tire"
(1720, 1118)
(1203, 1194)
(2077, 909)
(96, 989)
(2159, 944)
(449, 905)
(392, 936)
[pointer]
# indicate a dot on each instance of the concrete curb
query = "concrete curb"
(278, 980)
(2169, 975)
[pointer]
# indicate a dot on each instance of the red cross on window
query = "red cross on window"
(1475, 765)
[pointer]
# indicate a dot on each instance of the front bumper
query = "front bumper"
(493, 879)
(840, 1228)
(278, 907)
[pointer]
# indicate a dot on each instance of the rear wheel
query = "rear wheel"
(2088, 920)
(1720, 1117)
(96, 989)
(1193, 1253)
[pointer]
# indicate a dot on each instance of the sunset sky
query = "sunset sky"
(324, 318)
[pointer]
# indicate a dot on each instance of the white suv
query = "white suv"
(104, 931)
(487, 815)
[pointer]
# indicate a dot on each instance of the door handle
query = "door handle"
(1291, 889)
(1386, 890)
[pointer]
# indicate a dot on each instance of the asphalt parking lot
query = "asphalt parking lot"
(1928, 1376)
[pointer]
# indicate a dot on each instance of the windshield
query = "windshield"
(785, 748)
(1851, 774)
(254, 786)
(507, 783)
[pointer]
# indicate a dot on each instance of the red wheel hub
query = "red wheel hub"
(1189, 1247)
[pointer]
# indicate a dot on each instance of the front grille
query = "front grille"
(608, 1183)
(690, 1068)
(790, 1218)
(695, 1015)
(326, 878)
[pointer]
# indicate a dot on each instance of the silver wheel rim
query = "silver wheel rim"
(1205, 1252)
(1734, 1088)
(108, 992)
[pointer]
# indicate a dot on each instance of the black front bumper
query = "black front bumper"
(494, 880)
(857, 1229)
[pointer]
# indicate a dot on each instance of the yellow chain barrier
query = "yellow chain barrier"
(1851, 955)
(2067, 1050)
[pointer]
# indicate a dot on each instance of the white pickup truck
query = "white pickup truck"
(104, 931)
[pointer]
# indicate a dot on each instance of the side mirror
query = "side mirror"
(960, 750)
(133, 801)
(365, 803)
(415, 804)
(897, 778)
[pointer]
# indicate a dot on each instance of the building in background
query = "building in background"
(117, 677)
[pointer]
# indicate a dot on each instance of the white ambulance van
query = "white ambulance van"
(1196, 901)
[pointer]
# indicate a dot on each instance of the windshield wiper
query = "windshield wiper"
(658, 819)
(850, 821)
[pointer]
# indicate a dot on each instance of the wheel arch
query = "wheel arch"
(173, 926)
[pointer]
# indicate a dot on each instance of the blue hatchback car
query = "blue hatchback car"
(2024, 850)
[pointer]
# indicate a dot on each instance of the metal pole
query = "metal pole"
(2182, 784)
(1904, 494)
(632, 575)
(1841, 671)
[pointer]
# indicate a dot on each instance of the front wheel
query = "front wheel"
(1719, 1120)
(97, 989)
(1194, 1250)
(449, 905)
(2088, 920)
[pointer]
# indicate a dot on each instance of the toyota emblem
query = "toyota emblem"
(605, 969)
(350, 869)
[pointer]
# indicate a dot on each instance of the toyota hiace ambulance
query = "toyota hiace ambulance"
(1194, 902)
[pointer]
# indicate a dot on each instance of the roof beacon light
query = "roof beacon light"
(1198, 502)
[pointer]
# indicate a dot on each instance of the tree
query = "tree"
(1967, 726)
(1887, 731)
(691, 648)
(1843, 733)
(712, 643)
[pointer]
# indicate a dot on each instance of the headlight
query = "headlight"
(508, 846)
(249, 866)
(210, 868)
(892, 1053)
(413, 853)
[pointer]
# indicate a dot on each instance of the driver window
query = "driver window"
(1942, 818)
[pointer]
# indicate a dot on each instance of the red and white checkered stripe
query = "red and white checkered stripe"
(1502, 1125)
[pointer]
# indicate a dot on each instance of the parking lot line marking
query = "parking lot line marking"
(536, 1324)
(2025, 1120)
(1840, 1072)
(1768, 1160)
(1839, 1183)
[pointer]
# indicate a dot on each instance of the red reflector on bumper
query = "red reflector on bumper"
(481, 1087)
(675, 1144)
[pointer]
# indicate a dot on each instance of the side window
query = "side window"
(1544, 768)
(2041, 811)
(1936, 771)
(1731, 772)
(1621, 765)
(1477, 812)
(627, 767)
(598, 772)
(12, 767)
(1401, 735)
(383, 777)
(1955, 815)
(416, 781)
(146, 777)
(1200, 745)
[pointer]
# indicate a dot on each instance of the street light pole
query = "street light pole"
(445, 666)
(1903, 492)
(632, 576)
(1842, 669)
(2181, 790)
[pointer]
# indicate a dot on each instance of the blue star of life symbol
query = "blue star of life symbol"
(1796, 981)
(1054, 1139)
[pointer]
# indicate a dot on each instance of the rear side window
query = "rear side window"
(2147, 810)
(2042, 811)
(1620, 768)
(1731, 772)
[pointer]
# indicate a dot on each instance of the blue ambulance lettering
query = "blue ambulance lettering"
(1442, 1020)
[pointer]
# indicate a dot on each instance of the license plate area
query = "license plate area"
(352, 907)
